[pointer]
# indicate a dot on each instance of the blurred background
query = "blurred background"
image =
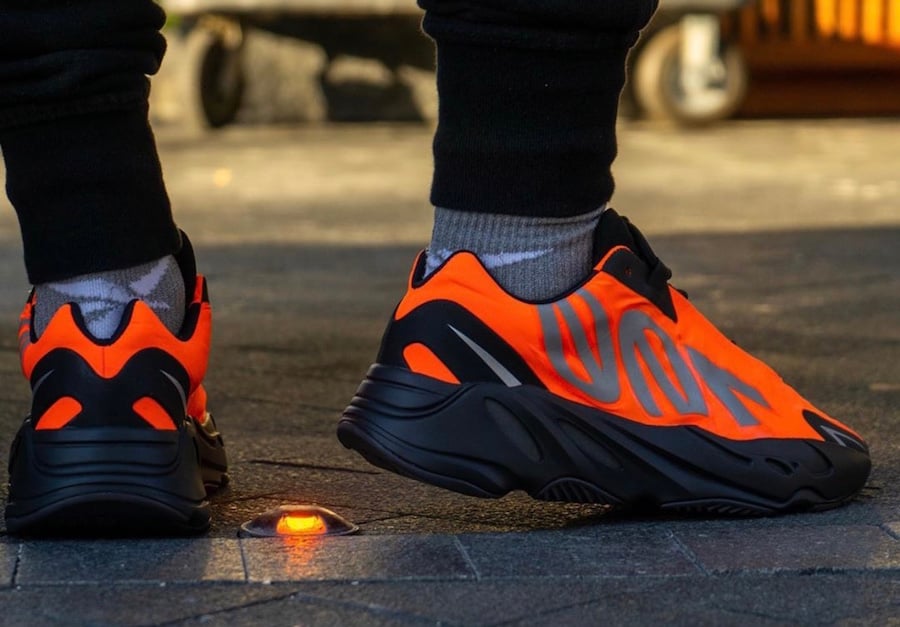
(310, 121)
(700, 61)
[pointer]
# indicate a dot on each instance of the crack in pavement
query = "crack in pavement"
(310, 599)
(550, 611)
(308, 466)
(250, 497)
(688, 553)
(225, 610)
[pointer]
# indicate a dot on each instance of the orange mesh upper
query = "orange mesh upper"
(464, 281)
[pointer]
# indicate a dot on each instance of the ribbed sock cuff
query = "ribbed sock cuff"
(89, 194)
(526, 131)
(104, 296)
(533, 258)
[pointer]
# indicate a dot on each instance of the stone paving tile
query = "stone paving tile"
(111, 561)
(599, 613)
(753, 599)
(562, 554)
(301, 610)
(893, 528)
(354, 558)
(762, 601)
(839, 547)
(126, 605)
(466, 602)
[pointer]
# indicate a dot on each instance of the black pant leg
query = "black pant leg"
(529, 93)
(81, 164)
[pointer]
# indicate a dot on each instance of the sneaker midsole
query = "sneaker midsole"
(499, 438)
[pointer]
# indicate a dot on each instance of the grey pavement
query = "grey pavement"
(787, 234)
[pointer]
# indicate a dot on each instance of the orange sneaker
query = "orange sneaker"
(619, 392)
(119, 439)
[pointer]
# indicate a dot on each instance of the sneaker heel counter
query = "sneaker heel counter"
(148, 391)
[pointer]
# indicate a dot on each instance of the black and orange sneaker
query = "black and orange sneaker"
(119, 439)
(619, 392)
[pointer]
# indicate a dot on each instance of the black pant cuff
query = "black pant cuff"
(526, 131)
(89, 194)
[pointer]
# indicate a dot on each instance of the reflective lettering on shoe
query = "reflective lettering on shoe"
(635, 344)
(635, 328)
(602, 382)
(724, 385)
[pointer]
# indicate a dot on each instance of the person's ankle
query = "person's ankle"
(103, 296)
(533, 258)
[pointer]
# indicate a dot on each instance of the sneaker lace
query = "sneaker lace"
(659, 272)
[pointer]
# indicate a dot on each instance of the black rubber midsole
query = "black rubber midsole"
(488, 439)
(98, 470)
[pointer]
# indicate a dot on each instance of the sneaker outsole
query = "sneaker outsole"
(114, 481)
(487, 439)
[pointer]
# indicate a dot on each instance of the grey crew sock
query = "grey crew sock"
(533, 258)
(102, 297)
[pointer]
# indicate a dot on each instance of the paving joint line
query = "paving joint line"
(393, 579)
(468, 558)
(549, 611)
(371, 609)
(141, 583)
(689, 554)
(809, 571)
(243, 559)
(15, 573)
(749, 613)
(224, 610)
(887, 529)
(312, 599)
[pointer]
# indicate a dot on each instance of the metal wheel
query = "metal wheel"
(666, 88)
(212, 73)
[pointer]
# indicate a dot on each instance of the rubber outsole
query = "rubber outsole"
(487, 440)
(114, 481)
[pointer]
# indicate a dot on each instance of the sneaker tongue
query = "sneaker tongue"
(613, 231)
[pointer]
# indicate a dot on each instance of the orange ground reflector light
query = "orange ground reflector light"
(291, 521)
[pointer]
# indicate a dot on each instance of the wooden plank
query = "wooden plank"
(848, 19)
(771, 10)
(822, 57)
(800, 21)
(827, 17)
(893, 23)
(805, 95)
(873, 22)
(749, 19)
